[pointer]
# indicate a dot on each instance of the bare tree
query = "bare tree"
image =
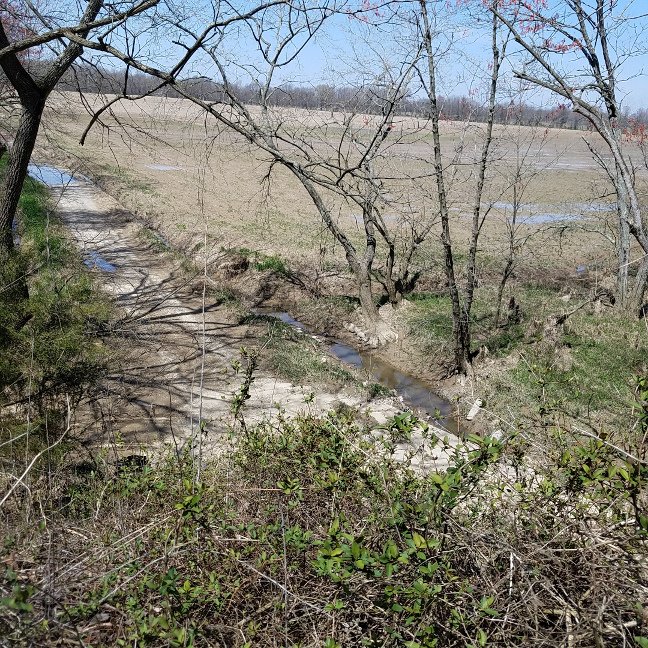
(340, 159)
(462, 301)
(516, 179)
(578, 53)
(33, 84)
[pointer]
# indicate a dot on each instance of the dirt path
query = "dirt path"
(163, 384)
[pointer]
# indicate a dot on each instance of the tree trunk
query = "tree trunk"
(369, 310)
(461, 354)
(394, 295)
(19, 157)
(623, 244)
(640, 283)
(502, 286)
(360, 266)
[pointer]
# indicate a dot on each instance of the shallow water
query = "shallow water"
(534, 214)
(414, 392)
(94, 260)
(53, 177)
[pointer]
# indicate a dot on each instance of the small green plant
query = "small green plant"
(402, 425)
(247, 366)
(378, 390)
(50, 332)
(274, 263)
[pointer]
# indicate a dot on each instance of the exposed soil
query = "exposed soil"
(165, 384)
(164, 162)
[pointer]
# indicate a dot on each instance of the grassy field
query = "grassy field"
(169, 164)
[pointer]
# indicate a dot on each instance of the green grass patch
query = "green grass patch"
(51, 320)
(260, 261)
(590, 370)
(431, 318)
(297, 357)
(155, 239)
(584, 373)
(273, 262)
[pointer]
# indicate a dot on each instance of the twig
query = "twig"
(627, 455)
(285, 590)
(36, 458)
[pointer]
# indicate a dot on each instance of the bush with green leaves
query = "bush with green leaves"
(309, 533)
(51, 320)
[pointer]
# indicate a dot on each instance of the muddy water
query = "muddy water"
(414, 392)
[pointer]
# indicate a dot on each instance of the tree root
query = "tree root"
(377, 335)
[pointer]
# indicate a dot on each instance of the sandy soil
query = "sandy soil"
(165, 384)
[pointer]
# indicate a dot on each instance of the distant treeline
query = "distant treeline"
(367, 99)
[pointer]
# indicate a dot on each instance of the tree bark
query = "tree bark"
(19, 157)
(640, 283)
(506, 273)
(623, 253)
(367, 304)
(461, 353)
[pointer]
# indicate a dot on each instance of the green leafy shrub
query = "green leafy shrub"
(50, 327)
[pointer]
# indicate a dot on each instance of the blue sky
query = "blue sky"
(348, 49)
(463, 68)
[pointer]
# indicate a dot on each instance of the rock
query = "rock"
(564, 360)
(379, 418)
(474, 410)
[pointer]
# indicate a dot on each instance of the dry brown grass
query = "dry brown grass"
(214, 177)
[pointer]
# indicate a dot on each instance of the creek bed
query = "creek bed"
(414, 392)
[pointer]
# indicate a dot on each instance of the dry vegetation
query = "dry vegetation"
(309, 534)
(205, 176)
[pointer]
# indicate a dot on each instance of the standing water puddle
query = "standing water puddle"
(52, 177)
(163, 167)
(93, 260)
(415, 392)
(533, 214)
